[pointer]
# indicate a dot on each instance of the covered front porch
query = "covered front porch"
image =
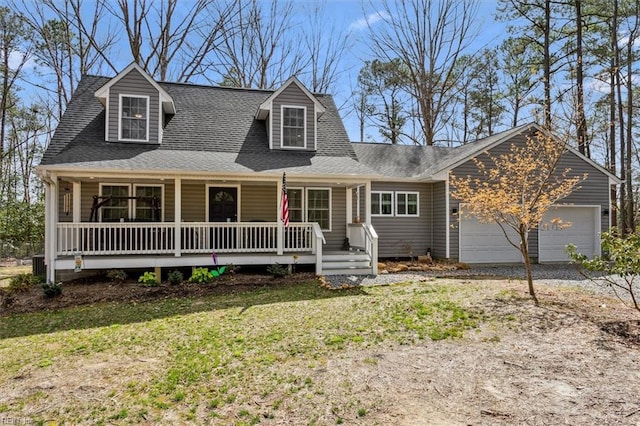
(237, 218)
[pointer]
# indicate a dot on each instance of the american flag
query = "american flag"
(285, 201)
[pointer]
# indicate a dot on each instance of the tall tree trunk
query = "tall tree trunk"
(612, 125)
(630, 205)
(620, 107)
(581, 125)
(524, 249)
(546, 63)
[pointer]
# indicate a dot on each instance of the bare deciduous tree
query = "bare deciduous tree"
(257, 52)
(428, 36)
(172, 43)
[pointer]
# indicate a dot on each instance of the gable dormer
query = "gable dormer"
(291, 114)
(135, 106)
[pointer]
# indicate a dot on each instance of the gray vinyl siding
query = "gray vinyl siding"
(593, 191)
(193, 201)
(439, 211)
(335, 237)
(133, 84)
(398, 234)
(169, 202)
(293, 96)
(87, 191)
(259, 203)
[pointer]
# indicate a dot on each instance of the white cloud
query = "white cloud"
(16, 58)
(368, 20)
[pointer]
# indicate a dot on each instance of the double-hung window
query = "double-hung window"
(395, 203)
(296, 206)
(319, 207)
(382, 203)
(407, 204)
(134, 118)
(148, 207)
(146, 204)
(294, 127)
(117, 208)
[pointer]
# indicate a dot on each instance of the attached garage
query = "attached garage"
(563, 225)
(485, 242)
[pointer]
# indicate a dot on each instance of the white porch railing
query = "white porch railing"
(195, 237)
(115, 238)
(362, 235)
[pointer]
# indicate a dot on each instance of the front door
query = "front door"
(223, 204)
(223, 207)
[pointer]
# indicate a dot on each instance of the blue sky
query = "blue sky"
(352, 17)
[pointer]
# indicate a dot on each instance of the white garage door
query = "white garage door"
(554, 237)
(486, 243)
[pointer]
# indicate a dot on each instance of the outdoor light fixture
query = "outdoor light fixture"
(454, 211)
(605, 212)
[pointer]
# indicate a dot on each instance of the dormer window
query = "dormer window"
(134, 118)
(294, 127)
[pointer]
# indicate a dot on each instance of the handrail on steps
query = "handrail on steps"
(371, 238)
(319, 236)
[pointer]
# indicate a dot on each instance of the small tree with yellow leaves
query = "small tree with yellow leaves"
(517, 188)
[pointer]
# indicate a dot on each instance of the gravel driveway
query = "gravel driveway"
(548, 274)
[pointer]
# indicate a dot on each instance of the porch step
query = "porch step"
(346, 263)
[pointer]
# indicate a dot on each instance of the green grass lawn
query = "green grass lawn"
(209, 359)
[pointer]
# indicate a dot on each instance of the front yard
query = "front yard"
(439, 351)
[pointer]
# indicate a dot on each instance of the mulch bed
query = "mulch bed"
(90, 291)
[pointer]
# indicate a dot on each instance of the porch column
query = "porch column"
(177, 216)
(77, 212)
(367, 202)
(349, 206)
(280, 233)
(52, 228)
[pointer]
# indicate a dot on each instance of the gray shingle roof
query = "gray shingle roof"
(400, 161)
(422, 162)
(213, 130)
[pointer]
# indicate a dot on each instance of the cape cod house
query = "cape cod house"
(145, 174)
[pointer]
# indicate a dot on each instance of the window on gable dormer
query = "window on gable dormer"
(134, 118)
(294, 127)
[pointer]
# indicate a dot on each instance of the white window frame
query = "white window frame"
(406, 194)
(305, 128)
(306, 202)
(379, 194)
(145, 185)
(100, 189)
(126, 95)
(303, 205)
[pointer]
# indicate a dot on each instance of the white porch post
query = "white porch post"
(280, 233)
(177, 215)
(51, 203)
(76, 195)
(349, 206)
(367, 202)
